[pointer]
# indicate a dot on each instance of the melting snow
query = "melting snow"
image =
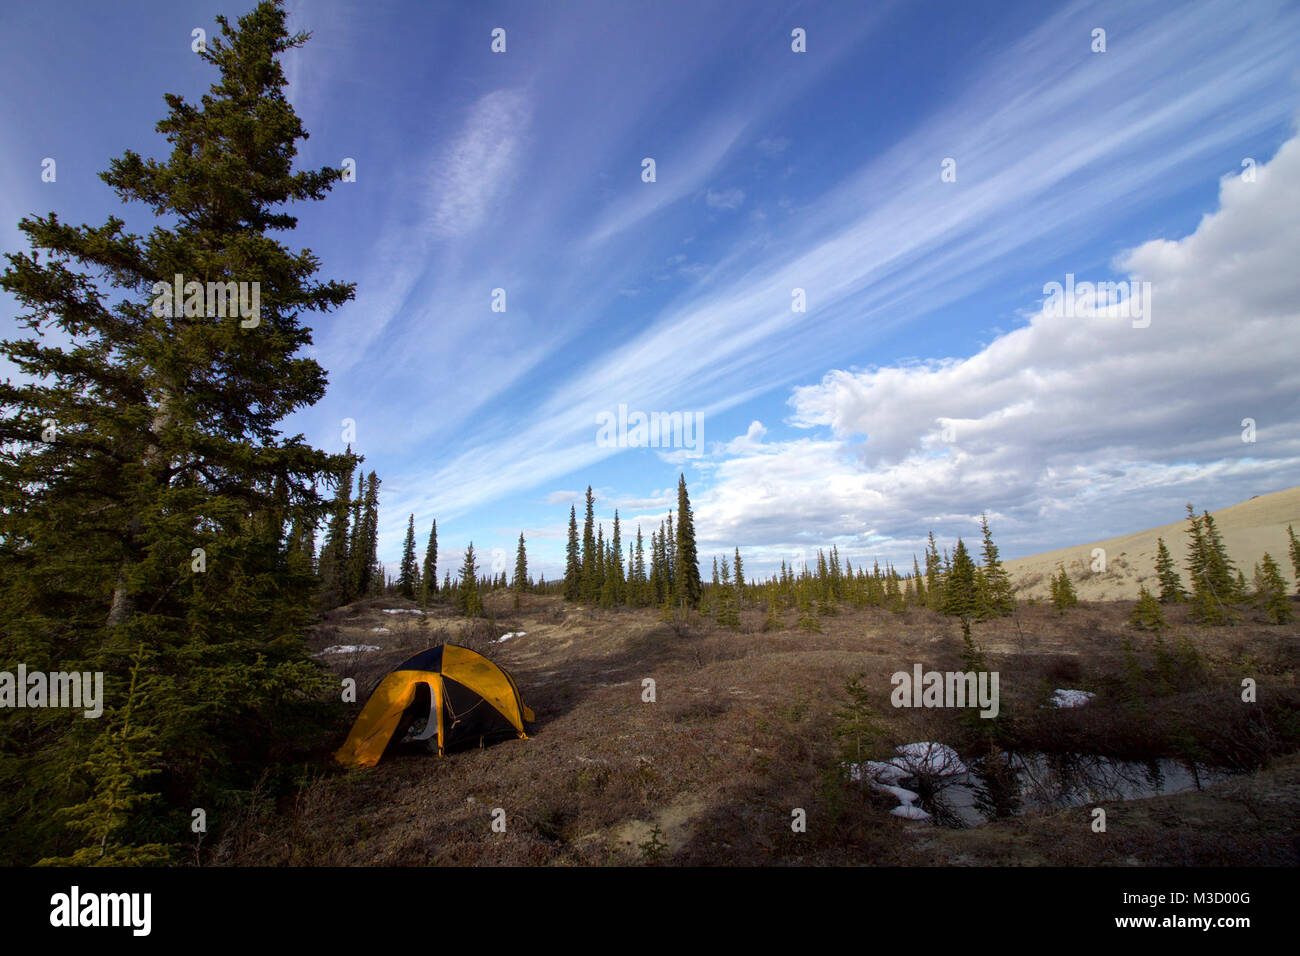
(928, 757)
(1072, 698)
(909, 812)
(902, 795)
(925, 757)
(506, 637)
(349, 649)
(403, 610)
(379, 630)
(876, 771)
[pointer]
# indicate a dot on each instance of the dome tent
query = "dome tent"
(457, 696)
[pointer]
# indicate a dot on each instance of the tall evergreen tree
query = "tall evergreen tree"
(1214, 588)
(740, 581)
(688, 588)
(639, 572)
(572, 564)
(598, 578)
(669, 538)
(727, 615)
(618, 585)
(467, 593)
(430, 576)
(995, 598)
(334, 556)
(960, 598)
(1220, 564)
(659, 592)
(590, 588)
(354, 543)
(933, 570)
(520, 582)
(366, 544)
(408, 577)
(144, 480)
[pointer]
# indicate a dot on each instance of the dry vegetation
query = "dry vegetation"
(741, 734)
(1249, 528)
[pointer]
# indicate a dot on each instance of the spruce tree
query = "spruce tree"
(334, 555)
(614, 568)
(572, 590)
(773, 620)
(1295, 556)
(960, 598)
(740, 581)
(1270, 591)
(429, 578)
(366, 543)
(1213, 585)
(144, 430)
(857, 725)
(598, 577)
(1221, 566)
(726, 597)
(639, 572)
(1171, 586)
(933, 569)
(300, 550)
(996, 598)
(120, 759)
(520, 583)
(688, 588)
(589, 557)
(670, 559)
(1147, 612)
(606, 597)
(893, 598)
(1063, 593)
(807, 619)
(467, 594)
(408, 577)
(657, 584)
(354, 537)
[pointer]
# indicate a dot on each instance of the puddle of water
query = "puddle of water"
(1038, 782)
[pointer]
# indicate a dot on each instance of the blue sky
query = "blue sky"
(923, 384)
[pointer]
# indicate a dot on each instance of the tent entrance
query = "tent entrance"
(420, 720)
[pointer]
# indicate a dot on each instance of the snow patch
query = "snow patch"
(379, 630)
(506, 637)
(1071, 698)
(909, 812)
(349, 649)
(403, 610)
(884, 776)
(901, 794)
(877, 772)
(928, 757)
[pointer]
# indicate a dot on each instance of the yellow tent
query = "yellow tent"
(460, 696)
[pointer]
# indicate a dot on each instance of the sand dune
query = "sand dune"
(1248, 529)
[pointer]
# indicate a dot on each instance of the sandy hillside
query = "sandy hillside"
(1248, 529)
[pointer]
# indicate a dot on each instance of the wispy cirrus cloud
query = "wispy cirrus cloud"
(480, 163)
(1039, 166)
